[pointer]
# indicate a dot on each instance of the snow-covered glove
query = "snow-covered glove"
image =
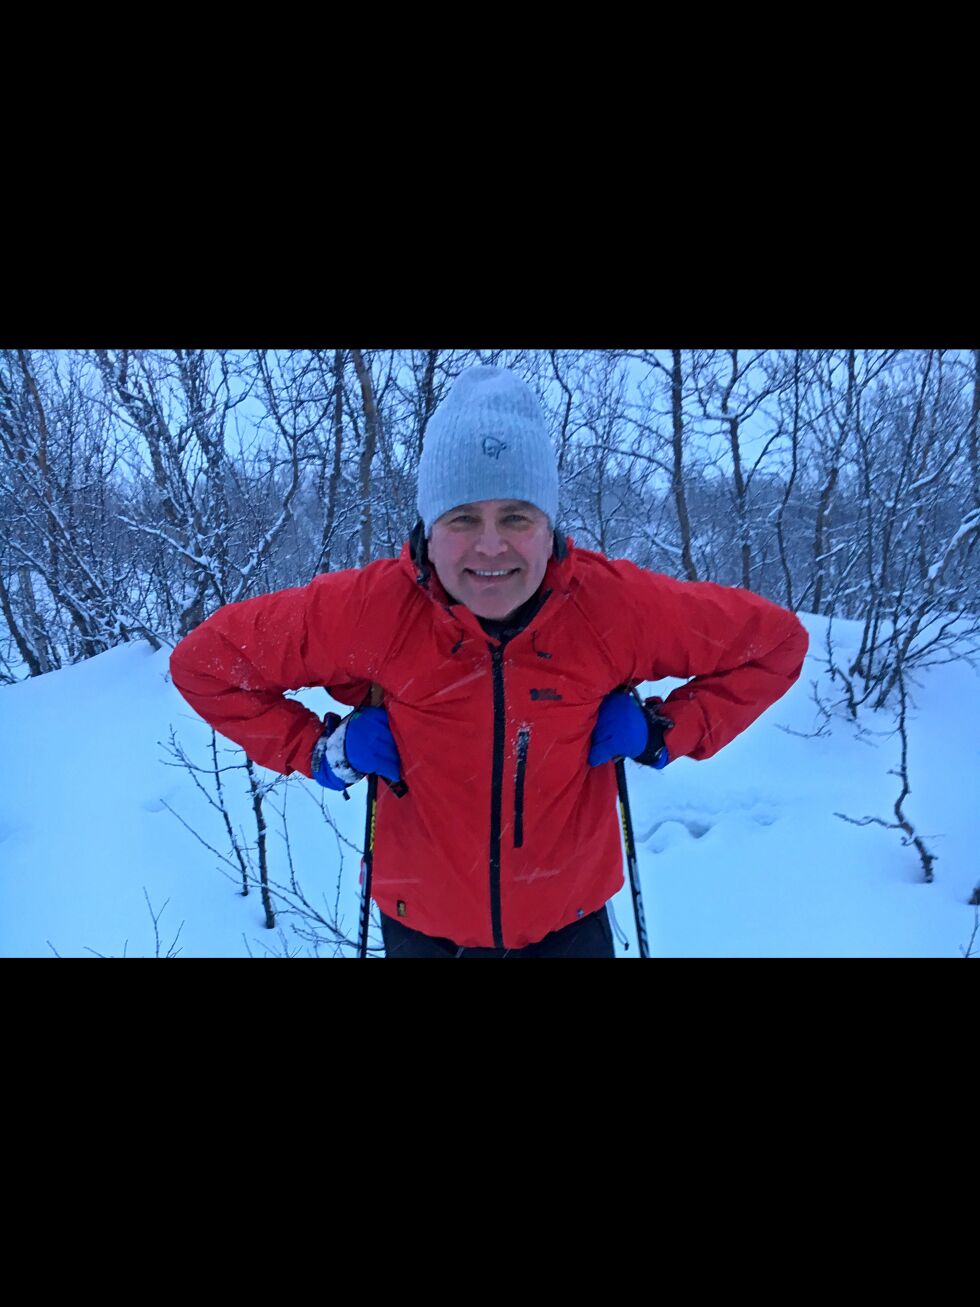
(628, 729)
(351, 748)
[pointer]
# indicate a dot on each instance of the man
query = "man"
(502, 656)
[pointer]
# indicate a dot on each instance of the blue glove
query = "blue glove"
(351, 748)
(370, 745)
(627, 729)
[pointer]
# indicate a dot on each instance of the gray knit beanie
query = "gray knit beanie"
(487, 440)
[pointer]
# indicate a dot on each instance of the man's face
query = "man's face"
(491, 555)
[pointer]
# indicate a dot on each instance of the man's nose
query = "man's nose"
(490, 541)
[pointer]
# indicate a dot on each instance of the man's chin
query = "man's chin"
(491, 606)
(497, 615)
(487, 608)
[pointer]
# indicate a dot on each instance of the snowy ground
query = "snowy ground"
(740, 856)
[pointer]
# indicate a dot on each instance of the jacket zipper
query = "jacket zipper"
(496, 791)
(523, 739)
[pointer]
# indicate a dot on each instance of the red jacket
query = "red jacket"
(506, 832)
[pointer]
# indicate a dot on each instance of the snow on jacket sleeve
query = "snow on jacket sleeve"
(742, 653)
(233, 669)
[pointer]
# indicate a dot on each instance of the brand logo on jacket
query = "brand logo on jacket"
(545, 694)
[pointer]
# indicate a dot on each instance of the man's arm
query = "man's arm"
(234, 668)
(740, 651)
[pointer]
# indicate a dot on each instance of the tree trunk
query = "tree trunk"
(677, 486)
(367, 455)
(333, 487)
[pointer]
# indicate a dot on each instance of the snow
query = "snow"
(740, 856)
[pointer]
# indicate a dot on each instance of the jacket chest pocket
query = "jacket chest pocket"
(520, 780)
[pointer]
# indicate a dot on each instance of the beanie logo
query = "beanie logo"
(493, 447)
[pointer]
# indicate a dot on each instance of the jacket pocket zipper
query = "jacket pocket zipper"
(523, 739)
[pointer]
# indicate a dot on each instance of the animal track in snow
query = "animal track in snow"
(695, 822)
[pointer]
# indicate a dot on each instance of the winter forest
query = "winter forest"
(140, 490)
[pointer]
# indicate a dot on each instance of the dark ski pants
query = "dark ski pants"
(589, 938)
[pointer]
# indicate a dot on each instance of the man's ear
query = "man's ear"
(560, 548)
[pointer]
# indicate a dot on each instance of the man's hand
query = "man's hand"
(351, 748)
(628, 729)
(370, 745)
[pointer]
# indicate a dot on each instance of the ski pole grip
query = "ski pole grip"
(376, 699)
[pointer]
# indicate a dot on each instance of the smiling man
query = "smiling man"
(492, 554)
(501, 655)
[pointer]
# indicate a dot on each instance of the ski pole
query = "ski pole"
(626, 818)
(634, 870)
(375, 698)
(367, 862)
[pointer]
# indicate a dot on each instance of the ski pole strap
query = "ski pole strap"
(656, 754)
